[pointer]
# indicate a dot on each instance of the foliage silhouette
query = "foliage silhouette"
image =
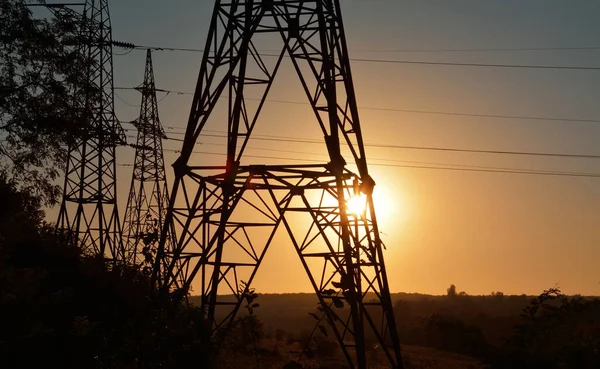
(38, 114)
(556, 331)
(451, 291)
(251, 327)
(61, 309)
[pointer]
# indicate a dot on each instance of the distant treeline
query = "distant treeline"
(290, 311)
(550, 330)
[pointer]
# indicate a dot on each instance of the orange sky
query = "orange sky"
(483, 232)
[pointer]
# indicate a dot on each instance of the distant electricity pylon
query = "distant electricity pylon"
(148, 195)
(88, 213)
(227, 216)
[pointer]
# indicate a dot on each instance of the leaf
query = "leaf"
(329, 292)
(338, 302)
(323, 330)
(38, 116)
(314, 316)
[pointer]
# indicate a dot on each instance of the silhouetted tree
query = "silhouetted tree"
(61, 309)
(38, 66)
(555, 332)
(250, 325)
(451, 291)
(499, 295)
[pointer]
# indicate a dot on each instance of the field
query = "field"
(449, 331)
(274, 356)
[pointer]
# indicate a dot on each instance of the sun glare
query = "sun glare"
(357, 204)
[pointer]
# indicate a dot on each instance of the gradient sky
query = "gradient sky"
(483, 232)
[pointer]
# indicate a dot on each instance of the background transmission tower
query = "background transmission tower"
(88, 213)
(148, 194)
(227, 216)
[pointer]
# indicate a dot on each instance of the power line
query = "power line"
(125, 102)
(162, 98)
(458, 167)
(574, 48)
(388, 160)
(434, 112)
(479, 151)
(157, 90)
(559, 174)
(425, 165)
(431, 148)
(409, 147)
(522, 117)
(525, 66)
(160, 48)
(125, 53)
(250, 156)
(559, 48)
(416, 62)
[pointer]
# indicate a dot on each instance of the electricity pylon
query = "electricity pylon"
(227, 216)
(148, 195)
(88, 214)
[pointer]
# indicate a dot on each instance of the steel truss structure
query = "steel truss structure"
(88, 214)
(148, 195)
(228, 216)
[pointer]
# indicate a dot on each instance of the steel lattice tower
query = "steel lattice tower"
(148, 195)
(88, 213)
(226, 216)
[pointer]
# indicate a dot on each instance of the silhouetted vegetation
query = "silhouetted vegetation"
(39, 66)
(549, 331)
(62, 309)
(555, 331)
(546, 331)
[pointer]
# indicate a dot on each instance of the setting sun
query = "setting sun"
(357, 204)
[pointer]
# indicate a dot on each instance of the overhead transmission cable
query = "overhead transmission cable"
(411, 147)
(434, 112)
(433, 167)
(396, 61)
(392, 162)
(385, 160)
(499, 170)
(125, 102)
(397, 163)
(509, 49)
(406, 147)
(525, 66)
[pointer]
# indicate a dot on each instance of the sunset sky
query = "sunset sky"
(484, 232)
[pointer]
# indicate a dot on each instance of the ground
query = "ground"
(273, 356)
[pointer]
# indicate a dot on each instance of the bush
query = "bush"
(555, 332)
(61, 309)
